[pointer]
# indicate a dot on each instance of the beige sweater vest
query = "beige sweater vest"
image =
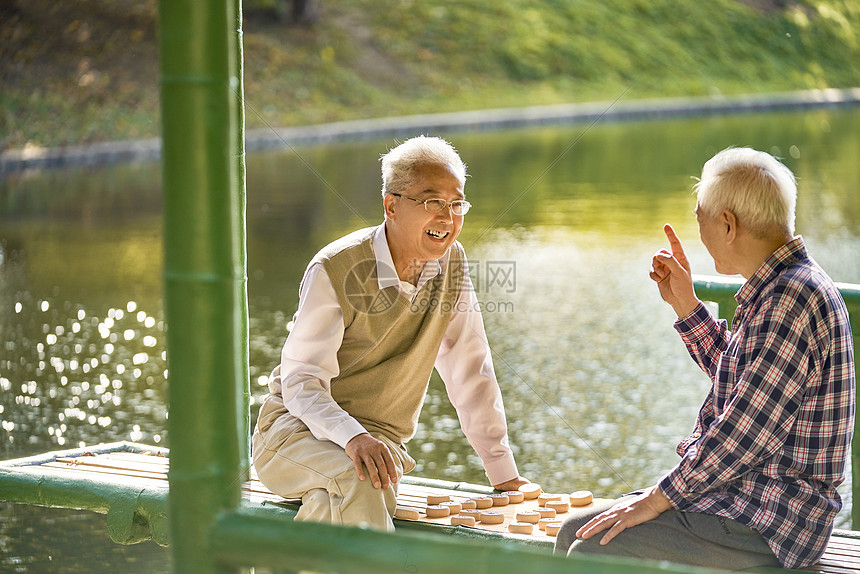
(389, 344)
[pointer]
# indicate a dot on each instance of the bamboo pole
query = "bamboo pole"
(203, 274)
(256, 538)
(243, 375)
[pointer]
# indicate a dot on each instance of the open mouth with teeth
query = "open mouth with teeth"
(435, 234)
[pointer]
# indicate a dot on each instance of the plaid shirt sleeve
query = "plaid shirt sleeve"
(758, 382)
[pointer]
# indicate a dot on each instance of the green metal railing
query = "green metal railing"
(721, 290)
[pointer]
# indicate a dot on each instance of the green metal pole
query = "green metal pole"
(203, 273)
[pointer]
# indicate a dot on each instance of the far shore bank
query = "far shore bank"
(480, 120)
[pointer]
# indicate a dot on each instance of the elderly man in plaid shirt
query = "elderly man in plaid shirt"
(756, 484)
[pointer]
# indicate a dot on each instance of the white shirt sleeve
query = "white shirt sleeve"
(466, 366)
(309, 361)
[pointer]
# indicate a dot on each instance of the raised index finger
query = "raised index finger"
(675, 245)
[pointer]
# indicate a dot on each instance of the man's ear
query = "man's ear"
(730, 222)
(388, 204)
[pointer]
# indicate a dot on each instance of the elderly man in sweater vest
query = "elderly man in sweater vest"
(378, 309)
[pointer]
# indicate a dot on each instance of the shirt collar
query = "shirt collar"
(385, 271)
(794, 250)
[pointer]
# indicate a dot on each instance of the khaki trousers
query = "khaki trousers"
(292, 463)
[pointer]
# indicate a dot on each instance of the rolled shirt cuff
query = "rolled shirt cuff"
(675, 489)
(345, 432)
(501, 469)
(696, 317)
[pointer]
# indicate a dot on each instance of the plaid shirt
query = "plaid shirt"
(772, 439)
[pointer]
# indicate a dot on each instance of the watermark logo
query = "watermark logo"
(435, 303)
(361, 286)
(488, 275)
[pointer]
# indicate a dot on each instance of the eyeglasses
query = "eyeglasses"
(458, 206)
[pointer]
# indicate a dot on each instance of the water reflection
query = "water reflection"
(597, 385)
(66, 375)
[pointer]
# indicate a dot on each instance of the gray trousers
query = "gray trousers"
(682, 537)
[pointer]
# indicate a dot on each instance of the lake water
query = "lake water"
(597, 386)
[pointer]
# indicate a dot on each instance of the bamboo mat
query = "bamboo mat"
(842, 555)
(152, 469)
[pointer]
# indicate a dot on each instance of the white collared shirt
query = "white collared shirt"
(309, 363)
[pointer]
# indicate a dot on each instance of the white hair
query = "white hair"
(399, 163)
(759, 190)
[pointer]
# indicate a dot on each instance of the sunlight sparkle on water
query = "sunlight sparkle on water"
(135, 434)
(63, 361)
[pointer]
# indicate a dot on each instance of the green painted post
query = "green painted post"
(721, 291)
(203, 274)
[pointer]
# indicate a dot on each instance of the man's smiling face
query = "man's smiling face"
(414, 234)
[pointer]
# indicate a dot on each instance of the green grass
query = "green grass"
(378, 58)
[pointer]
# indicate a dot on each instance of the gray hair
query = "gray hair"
(759, 190)
(399, 163)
